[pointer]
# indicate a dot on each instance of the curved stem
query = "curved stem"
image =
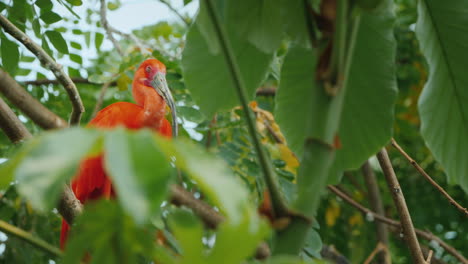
(27, 237)
(279, 205)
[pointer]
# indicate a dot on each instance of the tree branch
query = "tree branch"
(105, 25)
(100, 99)
(11, 125)
(400, 203)
(55, 82)
(425, 235)
(48, 62)
(29, 238)
(211, 218)
(279, 205)
(379, 248)
(184, 19)
(28, 104)
(429, 179)
(377, 206)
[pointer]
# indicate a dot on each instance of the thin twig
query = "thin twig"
(266, 91)
(211, 218)
(330, 253)
(184, 19)
(400, 203)
(55, 82)
(100, 99)
(377, 206)
(279, 205)
(105, 25)
(423, 234)
(48, 62)
(29, 238)
(428, 178)
(11, 125)
(380, 247)
(429, 257)
(32, 108)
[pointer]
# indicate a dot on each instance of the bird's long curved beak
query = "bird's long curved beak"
(159, 83)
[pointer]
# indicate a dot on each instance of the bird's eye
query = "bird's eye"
(148, 69)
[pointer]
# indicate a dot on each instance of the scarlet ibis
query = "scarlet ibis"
(151, 94)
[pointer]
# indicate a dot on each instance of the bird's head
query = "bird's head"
(152, 73)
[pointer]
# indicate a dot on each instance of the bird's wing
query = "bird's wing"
(121, 113)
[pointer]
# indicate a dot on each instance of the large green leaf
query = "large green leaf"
(367, 113)
(368, 110)
(206, 74)
(261, 22)
(109, 236)
(443, 35)
(139, 170)
(52, 160)
(243, 228)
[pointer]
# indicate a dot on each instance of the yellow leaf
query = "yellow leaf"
(123, 82)
(356, 219)
(332, 213)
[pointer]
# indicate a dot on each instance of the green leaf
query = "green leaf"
(58, 41)
(207, 76)
(313, 243)
(8, 168)
(45, 45)
(36, 25)
(261, 22)
(98, 38)
(75, 45)
(45, 5)
(371, 77)
(75, 2)
(52, 161)
(442, 104)
(50, 17)
(188, 231)
(108, 235)
(76, 58)
(139, 170)
(190, 114)
(10, 55)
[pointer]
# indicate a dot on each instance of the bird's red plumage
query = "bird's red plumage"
(91, 181)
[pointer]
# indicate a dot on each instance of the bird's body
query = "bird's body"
(151, 94)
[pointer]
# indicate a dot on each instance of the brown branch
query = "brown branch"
(330, 253)
(377, 206)
(105, 25)
(48, 62)
(400, 203)
(266, 91)
(11, 125)
(55, 82)
(379, 248)
(28, 104)
(429, 256)
(211, 218)
(423, 234)
(69, 207)
(429, 179)
(100, 99)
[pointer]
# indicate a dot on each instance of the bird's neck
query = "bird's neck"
(154, 106)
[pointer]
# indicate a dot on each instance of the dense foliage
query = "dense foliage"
(328, 83)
